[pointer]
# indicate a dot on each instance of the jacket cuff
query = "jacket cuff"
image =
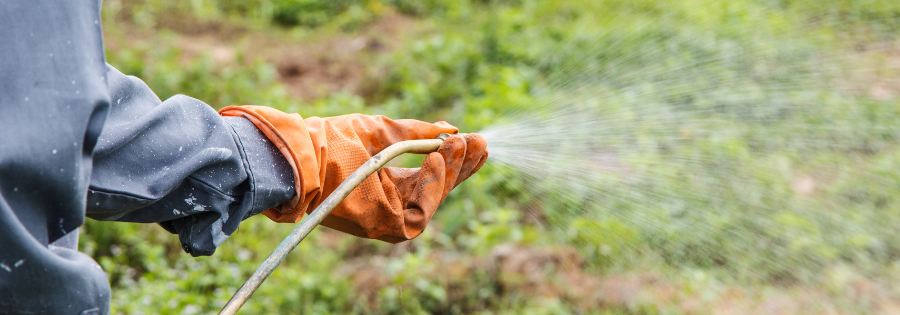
(295, 145)
(269, 173)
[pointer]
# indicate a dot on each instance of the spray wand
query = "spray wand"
(342, 191)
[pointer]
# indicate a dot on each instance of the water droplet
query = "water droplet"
(26, 98)
(51, 55)
(179, 148)
(54, 151)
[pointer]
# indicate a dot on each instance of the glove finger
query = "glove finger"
(410, 197)
(423, 194)
(458, 169)
(453, 151)
(476, 155)
(421, 190)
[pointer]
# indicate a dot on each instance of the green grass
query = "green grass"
(741, 82)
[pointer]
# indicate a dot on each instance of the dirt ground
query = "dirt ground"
(309, 69)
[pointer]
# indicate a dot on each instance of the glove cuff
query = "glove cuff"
(290, 136)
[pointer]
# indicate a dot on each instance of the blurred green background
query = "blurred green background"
(796, 213)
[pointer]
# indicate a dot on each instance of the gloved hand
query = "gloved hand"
(393, 204)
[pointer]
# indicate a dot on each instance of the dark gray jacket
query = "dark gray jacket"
(78, 138)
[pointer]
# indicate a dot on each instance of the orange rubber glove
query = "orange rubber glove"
(393, 204)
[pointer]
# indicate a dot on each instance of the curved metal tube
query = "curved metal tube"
(342, 191)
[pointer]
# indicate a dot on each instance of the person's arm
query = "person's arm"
(178, 163)
(393, 204)
(198, 174)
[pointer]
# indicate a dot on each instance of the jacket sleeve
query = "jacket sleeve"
(178, 163)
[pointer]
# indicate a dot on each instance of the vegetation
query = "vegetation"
(776, 193)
